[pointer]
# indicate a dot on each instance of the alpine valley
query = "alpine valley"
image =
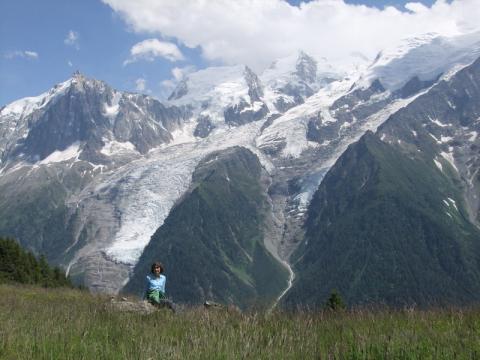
(261, 188)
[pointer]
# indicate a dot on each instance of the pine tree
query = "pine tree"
(20, 266)
(335, 302)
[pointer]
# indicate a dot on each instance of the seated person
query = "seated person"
(155, 287)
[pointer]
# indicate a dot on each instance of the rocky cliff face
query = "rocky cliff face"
(89, 113)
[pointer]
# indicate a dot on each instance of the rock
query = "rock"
(125, 305)
(208, 304)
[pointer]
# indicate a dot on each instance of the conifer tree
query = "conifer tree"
(20, 266)
(335, 302)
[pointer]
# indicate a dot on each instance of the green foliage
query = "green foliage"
(70, 324)
(381, 229)
(33, 210)
(20, 266)
(335, 302)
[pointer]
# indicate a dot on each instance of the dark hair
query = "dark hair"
(155, 264)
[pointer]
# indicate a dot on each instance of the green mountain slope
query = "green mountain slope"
(389, 227)
(212, 241)
(33, 208)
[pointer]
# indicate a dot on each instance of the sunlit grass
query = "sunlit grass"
(69, 324)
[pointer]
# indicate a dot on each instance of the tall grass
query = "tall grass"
(70, 324)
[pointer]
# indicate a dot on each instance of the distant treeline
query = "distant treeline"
(20, 266)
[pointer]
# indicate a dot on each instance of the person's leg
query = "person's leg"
(153, 297)
(168, 304)
(158, 298)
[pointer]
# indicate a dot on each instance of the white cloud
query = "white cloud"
(254, 32)
(21, 54)
(69, 63)
(168, 85)
(153, 48)
(140, 84)
(177, 73)
(72, 39)
(31, 54)
(180, 73)
(166, 88)
(416, 7)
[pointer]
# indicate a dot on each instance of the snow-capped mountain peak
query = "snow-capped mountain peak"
(426, 57)
(306, 67)
(226, 82)
(88, 113)
(24, 107)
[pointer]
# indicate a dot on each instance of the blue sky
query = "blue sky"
(44, 42)
(103, 44)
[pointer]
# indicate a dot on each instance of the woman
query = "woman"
(155, 289)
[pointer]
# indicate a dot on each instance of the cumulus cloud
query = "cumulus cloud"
(72, 39)
(180, 73)
(153, 48)
(21, 54)
(167, 86)
(140, 84)
(254, 32)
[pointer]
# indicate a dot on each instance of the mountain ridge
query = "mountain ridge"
(392, 220)
(117, 181)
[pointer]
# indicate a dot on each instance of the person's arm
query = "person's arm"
(147, 286)
(163, 280)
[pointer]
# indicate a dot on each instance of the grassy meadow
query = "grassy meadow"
(37, 323)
